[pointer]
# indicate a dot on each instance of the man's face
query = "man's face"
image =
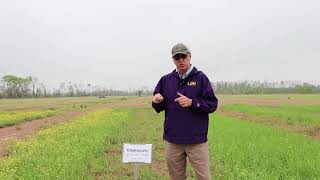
(182, 62)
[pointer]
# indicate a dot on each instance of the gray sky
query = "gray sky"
(126, 44)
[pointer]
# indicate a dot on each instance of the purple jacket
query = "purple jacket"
(186, 125)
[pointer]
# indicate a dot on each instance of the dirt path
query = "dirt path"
(311, 131)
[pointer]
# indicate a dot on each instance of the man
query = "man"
(187, 97)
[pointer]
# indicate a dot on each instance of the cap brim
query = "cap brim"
(179, 53)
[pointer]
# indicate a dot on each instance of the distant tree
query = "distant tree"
(16, 86)
(62, 88)
(89, 89)
(24, 86)
(70, 89)
(56, 92)
(139, 92)
(34, 81)
(2, 90)
(43, 89)
(79, 89)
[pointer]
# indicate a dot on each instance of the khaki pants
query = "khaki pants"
(198, 156)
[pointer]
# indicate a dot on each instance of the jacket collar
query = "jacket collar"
(193, 71)
(186, 74)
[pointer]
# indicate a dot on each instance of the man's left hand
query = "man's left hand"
(183, 100)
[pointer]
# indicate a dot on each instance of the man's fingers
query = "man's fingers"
(158, 94)
(183, 103)
(157, 98)
(181, 95)
(181, 99)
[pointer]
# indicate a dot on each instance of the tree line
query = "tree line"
(12, 86)
(266, 87)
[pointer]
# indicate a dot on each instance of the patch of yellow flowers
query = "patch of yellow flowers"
(8, 118)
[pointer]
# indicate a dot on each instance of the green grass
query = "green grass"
(9, 118)
(63, 151)
(61, 103)
(15, 111)
(86, 148)
(273, 96)
(143, 126)
(246, 150)
(307, 114)
(90, 147)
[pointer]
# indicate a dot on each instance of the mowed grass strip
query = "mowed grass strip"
(65, 150)
(9, 118)
(247, 150)
(305, 115)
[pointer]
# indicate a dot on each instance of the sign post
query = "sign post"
(137, 154)
(136, 171)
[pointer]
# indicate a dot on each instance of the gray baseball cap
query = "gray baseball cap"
(179, 49)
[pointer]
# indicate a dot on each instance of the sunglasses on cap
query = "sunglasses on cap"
(179, 56)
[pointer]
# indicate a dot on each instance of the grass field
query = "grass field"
(307, 114)
(89, 147)
(246, 150)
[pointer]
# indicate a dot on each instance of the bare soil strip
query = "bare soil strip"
(311, 131)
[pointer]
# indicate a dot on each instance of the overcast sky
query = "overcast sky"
(126, 44)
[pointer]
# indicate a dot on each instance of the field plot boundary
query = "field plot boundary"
(311, 131)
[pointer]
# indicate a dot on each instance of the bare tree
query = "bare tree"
(2, 90)
(34, 81)
(56, 92)
(70, 89)
(62, 87)
(43, 89)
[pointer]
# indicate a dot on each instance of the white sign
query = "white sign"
(137, 153)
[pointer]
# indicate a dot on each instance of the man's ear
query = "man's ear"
(189, 54)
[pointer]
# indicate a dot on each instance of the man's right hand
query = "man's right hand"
(157, 98)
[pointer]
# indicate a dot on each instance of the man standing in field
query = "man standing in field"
(187, 97)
